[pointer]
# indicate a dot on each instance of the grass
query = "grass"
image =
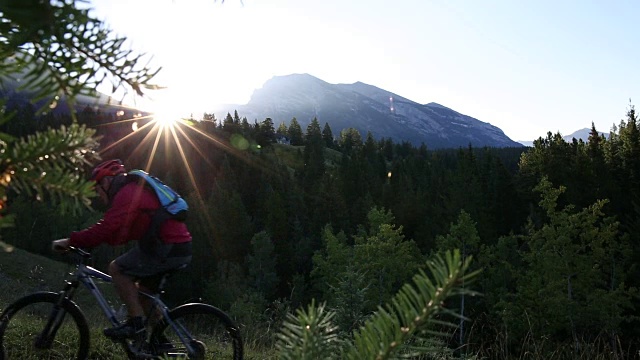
(101, 347)
(22, 273)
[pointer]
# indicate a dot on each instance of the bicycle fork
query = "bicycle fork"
(44, 340)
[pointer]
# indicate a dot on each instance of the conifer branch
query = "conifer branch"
(47, 164)
(401, 329)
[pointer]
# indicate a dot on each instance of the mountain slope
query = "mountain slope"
(368, 109)
(582, 134)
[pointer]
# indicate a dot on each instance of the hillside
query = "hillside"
(22, 273)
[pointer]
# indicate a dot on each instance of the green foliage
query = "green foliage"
(57, 51)
(572, 280)
(398, 330)
(350, 140)
(47, 164)
(332, 261)
(384, 256)
(348, 300)
(266, 133)
(295, 133)
(327, 136)
(462, 235)
(50, 160)
(227, 284)
(57, 48)
(229, 221)
(261, 263)
(314, 162)
(309, 335)
(415, 311)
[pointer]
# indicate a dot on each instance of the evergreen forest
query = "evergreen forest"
(283, 216)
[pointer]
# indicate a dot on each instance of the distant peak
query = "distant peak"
(293, 79)
(304, 76)
(436, 105)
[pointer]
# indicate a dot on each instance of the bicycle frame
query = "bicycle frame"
(85, 274)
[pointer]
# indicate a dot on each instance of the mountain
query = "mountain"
(11, 91)
(368, 109)
(582, 134)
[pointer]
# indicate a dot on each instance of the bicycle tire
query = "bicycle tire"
(22, 324)
(214, 334)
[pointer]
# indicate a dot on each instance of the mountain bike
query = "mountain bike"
(49, 325)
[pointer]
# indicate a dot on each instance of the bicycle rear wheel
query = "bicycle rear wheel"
(34, 327)
(212, 334)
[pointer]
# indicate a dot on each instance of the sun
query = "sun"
(166, 113)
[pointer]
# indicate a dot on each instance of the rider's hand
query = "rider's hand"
(60, 245)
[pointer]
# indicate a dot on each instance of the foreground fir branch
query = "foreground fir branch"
(56, 50)
(401, 329)
(47, 165)
(309, 335)
(59, 48)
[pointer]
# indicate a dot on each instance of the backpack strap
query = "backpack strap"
(118, 182)
(151, 240)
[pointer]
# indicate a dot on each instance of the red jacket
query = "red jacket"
(128, 219)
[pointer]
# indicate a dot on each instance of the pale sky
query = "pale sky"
(527, 67)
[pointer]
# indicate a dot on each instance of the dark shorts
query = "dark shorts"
(139, 264)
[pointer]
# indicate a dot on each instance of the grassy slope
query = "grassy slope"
(22, 273)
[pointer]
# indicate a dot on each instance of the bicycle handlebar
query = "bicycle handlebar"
(82, 254)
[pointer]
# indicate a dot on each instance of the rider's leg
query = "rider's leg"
(127, 290)
(147, 303)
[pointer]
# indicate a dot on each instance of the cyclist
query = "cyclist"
(128, 218)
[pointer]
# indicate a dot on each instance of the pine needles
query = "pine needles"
(401, 329)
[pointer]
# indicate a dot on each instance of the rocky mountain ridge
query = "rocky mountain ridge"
(368, 109)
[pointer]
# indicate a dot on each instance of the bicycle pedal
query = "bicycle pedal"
(120, 333)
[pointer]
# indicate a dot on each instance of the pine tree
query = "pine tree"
(266, 133)
(228, 125)
(282, 129)
(313, 157)
(327, 136)
(261, 263)
(350, 140)
(331, 261)
(384, 256)
(295, 133)
(463, 236)
(575, 259)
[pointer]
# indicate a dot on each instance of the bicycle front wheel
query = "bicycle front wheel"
(208, 331)
(35, 327)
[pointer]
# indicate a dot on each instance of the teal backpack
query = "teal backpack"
(170, 201)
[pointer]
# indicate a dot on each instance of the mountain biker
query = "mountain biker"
(127, 218)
